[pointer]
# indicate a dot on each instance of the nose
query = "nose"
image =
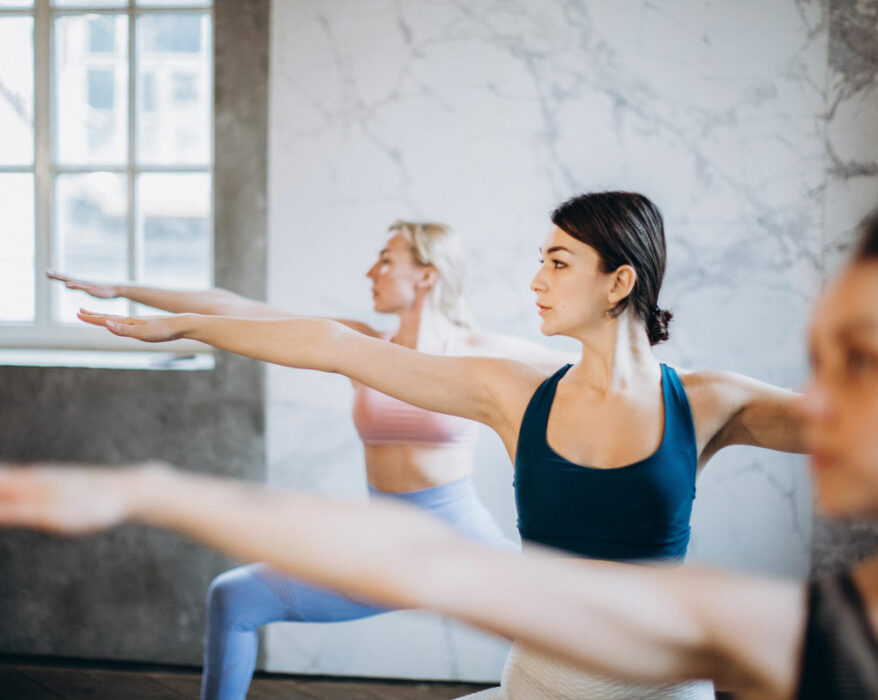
(537, 284)
(371, 271)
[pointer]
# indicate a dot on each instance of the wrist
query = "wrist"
(187, 325)
(148, 492)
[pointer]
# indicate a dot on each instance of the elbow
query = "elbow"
(331, 339)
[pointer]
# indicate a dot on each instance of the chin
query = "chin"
(546, 329)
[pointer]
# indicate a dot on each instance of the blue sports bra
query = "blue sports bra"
(637, 512)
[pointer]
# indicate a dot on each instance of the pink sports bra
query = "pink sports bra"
(383, 420)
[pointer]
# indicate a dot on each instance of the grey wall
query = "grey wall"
(133, 593)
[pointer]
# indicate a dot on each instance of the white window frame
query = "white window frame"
(44, 333)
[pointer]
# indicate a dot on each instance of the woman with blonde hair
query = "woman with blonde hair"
(412, 455)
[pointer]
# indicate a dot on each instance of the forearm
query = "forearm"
(205, 301)
(303, 343)
(360, 549)
(596, 615)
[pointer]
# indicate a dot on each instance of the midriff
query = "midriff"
(399, 468)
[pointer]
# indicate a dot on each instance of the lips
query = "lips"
(542, 309)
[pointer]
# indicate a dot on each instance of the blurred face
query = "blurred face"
(841, 402)
(572, 290)
(396, 276)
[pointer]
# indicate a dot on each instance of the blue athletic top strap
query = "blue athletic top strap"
(640, 511)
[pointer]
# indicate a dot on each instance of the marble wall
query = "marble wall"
(486, 114)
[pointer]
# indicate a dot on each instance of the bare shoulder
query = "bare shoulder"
(718, 381)
(489, 346)
(720, 390)
(511, 384)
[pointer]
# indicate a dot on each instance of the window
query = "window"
(106, 157)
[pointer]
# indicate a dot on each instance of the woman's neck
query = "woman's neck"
(424, 327)
(616, 356)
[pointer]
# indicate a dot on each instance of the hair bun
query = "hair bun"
(657, 325)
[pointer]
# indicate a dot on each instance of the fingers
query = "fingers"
(119, 325)
(110, 317)
(125, 326)
(66, 279)
(69, 281)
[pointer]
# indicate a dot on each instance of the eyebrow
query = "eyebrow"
(555, 249)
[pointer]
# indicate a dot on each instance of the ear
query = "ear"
(622, 283)
(429, 276)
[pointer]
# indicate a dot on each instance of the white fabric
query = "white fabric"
(488, 694)
(529, 675)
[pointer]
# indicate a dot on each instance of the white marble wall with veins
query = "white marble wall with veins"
(487, 113)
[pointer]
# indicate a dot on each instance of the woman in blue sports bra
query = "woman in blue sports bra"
(606, 450)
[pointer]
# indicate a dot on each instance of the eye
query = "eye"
(858, 361)
(557, 264)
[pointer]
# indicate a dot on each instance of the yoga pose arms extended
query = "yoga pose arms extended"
(491, 391)
(649, 624)
(738, 410)
(209, 302)
(222, 302)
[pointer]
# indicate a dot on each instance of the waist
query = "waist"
(529, 674)
(670, 550)
(400, 468)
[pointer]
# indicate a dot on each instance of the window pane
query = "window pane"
(91, 89)
(16, 90)
(173, 3)
(174, 220)
(17, 251)
(90, 3)
(16, 3)
(174, 88)
(91, 237)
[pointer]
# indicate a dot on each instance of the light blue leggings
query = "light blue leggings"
(243, 599)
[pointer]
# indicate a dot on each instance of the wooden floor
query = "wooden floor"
(30, 680)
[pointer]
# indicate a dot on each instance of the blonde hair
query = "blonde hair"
(437, 245)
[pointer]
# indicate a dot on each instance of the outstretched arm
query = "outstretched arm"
(488, 390)
(210, 302)
(738, 410)
(617, 619)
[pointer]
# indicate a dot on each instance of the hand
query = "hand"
(101, 291)
(150, 329)
(65, 499)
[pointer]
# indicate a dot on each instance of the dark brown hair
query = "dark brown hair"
(867, 244)
(624, 228)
